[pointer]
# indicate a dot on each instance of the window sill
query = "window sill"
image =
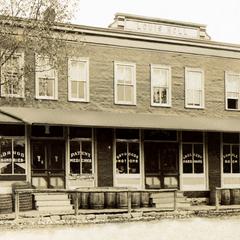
(11, 177)
(13, 96)
(192, 107)
(79, 100)
(44, 98)
(161, 105)
(232, 110)
(126, 104)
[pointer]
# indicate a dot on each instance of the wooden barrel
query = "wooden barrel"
(96, 200)
(84, 200)
(135, 200)
(145, 199)
(110, 199)
(122, 199)
(235, 196)
(6, 203)
(225, 197)
(212, 199)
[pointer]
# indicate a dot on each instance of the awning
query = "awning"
(5, 119)
(120, 120)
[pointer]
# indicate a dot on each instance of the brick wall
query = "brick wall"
(102, 58)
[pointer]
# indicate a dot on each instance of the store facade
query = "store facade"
(145, 104)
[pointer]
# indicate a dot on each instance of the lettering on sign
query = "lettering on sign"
(86, 157)
(162, 29)
(230, 155)
(6, 157)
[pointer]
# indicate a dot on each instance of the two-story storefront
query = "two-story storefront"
(145, 103)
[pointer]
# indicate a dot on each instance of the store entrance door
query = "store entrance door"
(161, 165)
(48, 164)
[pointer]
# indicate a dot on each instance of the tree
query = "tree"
(29, 26)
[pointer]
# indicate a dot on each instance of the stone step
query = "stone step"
(163, 200)
(164, 205)
(47, 197)
(50, 209)
(53, 203)
(161, 195)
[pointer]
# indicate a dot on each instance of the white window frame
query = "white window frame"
(199, 70)
(20, 55)
(12, 139)
(227, 73)
(133, 65)
(86, 81)
(169, 85)
(39, 74)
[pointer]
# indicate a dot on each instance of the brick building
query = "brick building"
(145, 103)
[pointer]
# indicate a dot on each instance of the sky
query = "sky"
(222, 17)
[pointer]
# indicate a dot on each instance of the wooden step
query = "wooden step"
(53, 203)
(49, 197)
(54, 208)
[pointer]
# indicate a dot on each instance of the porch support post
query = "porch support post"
(16, 205)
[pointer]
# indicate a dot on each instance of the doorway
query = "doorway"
(48, 163)
(161, 165)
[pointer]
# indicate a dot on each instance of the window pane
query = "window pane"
(156, 95)
(194, 80)
(128, 75)
(129, 93)
(226, 159)
(197, 97)
(120, 74)
(198, 158)
(127, 134)
(231, 137)
(187, 158)
(6, 156)
(81, 89)
(78, 70)
(74, 157)
(19, 157)
(120, 93)
(74, 89)
(232, 83)
(86, 157)
(121, 157)
(46, 87)
(38, 157)
(78, 89)
(232, 103)
(133, 157)
(164, 95)
(235, 159)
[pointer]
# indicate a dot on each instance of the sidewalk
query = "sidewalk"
(33, 219)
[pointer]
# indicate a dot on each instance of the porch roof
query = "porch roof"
(5, 118)
(115, 119)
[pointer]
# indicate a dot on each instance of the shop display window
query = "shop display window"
(12, 156)
(81, 156)
(127, 151)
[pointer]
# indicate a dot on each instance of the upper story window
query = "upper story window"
(194, 88)
(160, 85)
(78, 79)
(232, 90)
(46, 79)
(12, 79)
(125, 83)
